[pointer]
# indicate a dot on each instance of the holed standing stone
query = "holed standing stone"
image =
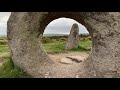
(24, 30)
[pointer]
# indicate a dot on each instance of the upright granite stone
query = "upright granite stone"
(73, 38)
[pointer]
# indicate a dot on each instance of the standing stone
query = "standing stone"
(73, 38)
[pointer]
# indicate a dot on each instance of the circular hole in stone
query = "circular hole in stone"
(66, 41)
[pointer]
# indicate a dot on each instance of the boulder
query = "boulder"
(77, 59)
(66, 61)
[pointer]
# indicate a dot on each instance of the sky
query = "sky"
(3, 22)
(58, 26)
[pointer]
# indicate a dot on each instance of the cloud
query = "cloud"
(62, 26)
(58, 26)
(5, 13)
(3, 22)
(61, 22)
(4, 19)
(3, 31)
(4, 16)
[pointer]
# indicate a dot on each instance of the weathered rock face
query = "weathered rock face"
(73, 38)
(25, 46)
(25, 29)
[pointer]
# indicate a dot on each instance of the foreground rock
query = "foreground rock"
(73, 38)
(66, 61)
(77, 59)
(24, 31)
(72, 59)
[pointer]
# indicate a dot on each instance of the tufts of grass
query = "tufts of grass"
(58, 46)
(46, 40)
(3, 42)
(4, 48)
(8, 70)
(4, 52)
(54, 47)
(85, 44)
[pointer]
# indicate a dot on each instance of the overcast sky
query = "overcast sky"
(3, 22)
(58, 26)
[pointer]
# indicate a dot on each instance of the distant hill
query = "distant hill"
(55, 34)
(52, 34)
(62, 34)
(3, 35)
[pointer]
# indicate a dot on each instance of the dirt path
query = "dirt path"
(64, 67)
(69, 68)
(56, 57)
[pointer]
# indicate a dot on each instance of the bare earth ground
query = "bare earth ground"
(66, 69)
(71, 69)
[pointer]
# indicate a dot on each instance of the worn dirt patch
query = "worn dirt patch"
(78, 55)
(69, 70)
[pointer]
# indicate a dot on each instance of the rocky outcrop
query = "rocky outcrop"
(73, 38)
(26, 28)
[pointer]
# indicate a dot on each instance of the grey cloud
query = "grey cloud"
(60, 26)
(5, 14)
(63, 25)
(3, 30)
(3, 22)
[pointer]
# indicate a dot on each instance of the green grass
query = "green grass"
(54, 47)
(8, 70)
(4, 52)
(3, 40)
(59, 46)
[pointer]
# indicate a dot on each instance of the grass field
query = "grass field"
(58, 46)
(8, 70)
